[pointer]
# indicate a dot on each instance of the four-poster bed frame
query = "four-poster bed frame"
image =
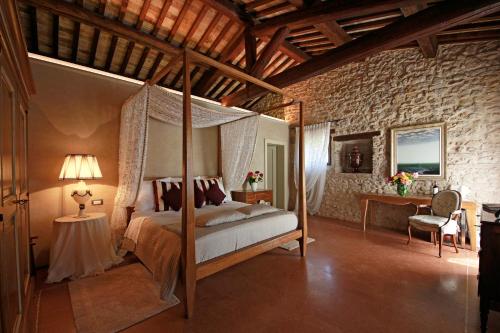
(190, 271)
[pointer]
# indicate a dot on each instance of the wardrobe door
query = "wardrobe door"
(10, 288)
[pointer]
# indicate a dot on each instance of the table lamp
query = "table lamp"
(80, 167)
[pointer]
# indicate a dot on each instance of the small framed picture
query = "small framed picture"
(420, 148)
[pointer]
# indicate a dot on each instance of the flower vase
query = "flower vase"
(254, 187)
(402, 190)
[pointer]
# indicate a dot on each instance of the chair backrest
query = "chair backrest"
(446, 202)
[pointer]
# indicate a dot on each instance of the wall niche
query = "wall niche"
(352, 153)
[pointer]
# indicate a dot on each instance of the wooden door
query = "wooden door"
(14, 230)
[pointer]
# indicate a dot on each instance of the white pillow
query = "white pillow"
(145, 199)
(257, 210)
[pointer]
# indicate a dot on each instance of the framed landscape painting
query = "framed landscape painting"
(421, 149)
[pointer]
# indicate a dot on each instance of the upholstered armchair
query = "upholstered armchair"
(443, 221)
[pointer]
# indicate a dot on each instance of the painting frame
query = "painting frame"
(440, 127)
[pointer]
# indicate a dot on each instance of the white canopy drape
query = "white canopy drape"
(316, 142)
(237, 147)
(158, 103)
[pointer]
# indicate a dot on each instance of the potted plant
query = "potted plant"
(253, 178)
(402, 180)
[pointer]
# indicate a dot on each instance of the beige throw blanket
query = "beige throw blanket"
(159, 250)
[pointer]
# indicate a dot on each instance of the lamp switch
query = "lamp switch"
(97, 202)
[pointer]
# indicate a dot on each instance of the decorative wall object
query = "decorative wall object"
(353, 153)
(420, 149)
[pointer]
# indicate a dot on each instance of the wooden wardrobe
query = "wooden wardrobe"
(16, 86)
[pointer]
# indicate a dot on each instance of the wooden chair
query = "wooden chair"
(443, 221)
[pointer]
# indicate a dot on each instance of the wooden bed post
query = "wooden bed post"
(188, 231)
(302, 209)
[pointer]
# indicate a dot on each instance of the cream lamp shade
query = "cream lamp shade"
(80, 167)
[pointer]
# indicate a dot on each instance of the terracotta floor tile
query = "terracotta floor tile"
(350, 282)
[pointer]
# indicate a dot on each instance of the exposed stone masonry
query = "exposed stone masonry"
(461, 87)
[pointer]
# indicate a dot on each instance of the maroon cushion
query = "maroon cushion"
(214, 194)
(173, 197)
(199, 196)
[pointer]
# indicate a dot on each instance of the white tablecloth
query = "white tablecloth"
(81, 247)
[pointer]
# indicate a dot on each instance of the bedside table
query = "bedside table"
(250, 197)
(81, 247)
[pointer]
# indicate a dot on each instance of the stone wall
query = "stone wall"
(461, 87)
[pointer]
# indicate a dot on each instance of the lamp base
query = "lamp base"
(81, 195)
(81, 212)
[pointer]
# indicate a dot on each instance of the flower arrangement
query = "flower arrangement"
(402, 180)
(255, 177)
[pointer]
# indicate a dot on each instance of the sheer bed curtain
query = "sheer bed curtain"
(316, 143)
(156, 102)
(237, 147)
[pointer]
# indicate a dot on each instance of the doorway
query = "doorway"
(275, 173)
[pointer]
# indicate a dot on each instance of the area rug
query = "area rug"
(115, 300)
(294, 244)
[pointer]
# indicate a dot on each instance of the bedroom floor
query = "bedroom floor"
(350, 282)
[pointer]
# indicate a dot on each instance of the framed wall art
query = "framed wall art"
(420, 148)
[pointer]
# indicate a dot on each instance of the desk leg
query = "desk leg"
(471, 223)
(364, 212)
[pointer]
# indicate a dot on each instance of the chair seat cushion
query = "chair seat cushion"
(427, 222)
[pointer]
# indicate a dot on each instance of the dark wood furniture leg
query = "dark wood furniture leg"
(440, 242)
(409, 234)
(484, 309)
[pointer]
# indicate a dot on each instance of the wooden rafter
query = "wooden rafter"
(131, 44)
(423, 23)
(112, 26)
(334, 32)
(97, 33)
(210, 76)
(33, 45)
(428, 44)
(76, 35)
(269, 50)
(250, 50)
(323, 12)
(55, 36)
(114, 39)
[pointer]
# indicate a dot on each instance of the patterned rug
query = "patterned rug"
(115, 300)
(294, 244)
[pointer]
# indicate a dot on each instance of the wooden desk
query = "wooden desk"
(393, 199)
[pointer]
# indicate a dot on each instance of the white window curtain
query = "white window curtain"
(158, 103)
(316, 142)
(237, 147)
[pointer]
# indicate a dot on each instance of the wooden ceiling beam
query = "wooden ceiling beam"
(269, 50)
(294, 52)
(250, 50)
(334, 32)
(429, 21)
(114, 39)
(76, 13)
(97, 33)
(229, 9)
(428, 44)
(138, 27)
(274, 10)
(33, 46)
(55, 36)
(210, 76)
(323, 12)
(145, 52)
(76, 36)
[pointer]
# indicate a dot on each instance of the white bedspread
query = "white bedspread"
(218, 240)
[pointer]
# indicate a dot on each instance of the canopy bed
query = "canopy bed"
(208, 238)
